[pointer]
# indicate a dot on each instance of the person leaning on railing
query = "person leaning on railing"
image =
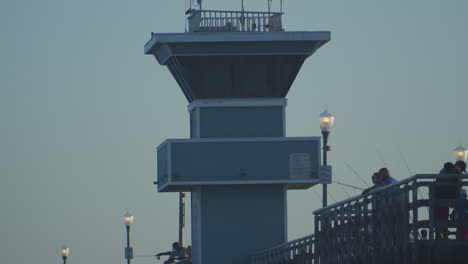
(387, 179)
(380, 179)
(445, 192)
(177, 253)
(462, 212)
(377, 180)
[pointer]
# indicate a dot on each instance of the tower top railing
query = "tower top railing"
(233, 21)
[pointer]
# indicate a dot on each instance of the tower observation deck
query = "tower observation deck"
(235, 69)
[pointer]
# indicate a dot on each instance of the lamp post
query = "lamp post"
(64, 251)
(326, 123)
(128, 220)
(460, 153)
(181, 217)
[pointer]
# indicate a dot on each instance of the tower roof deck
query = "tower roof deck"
(243, 64)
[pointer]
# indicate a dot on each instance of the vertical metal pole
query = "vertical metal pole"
(181, 218)
(325, 162)
(243, 16)
(128, 241)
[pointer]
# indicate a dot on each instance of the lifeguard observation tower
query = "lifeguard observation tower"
(235, 68)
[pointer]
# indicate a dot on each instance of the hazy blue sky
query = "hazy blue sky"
(82, 110)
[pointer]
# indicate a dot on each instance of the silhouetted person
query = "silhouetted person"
(424, 234)
(300, 257)
(461, 213)
(177, 253)
(387, 179)
(377, 180)
(188, 253)
(445, 191)
(461, 166)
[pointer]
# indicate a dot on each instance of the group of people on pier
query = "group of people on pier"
(444, 189)
(380, 179)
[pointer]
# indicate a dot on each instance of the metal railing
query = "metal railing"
(184, 261)
(233, 21)
(384, 225)
(297, 251)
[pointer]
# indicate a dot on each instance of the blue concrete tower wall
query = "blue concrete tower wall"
(236, 221)
(225, 119)
(230, 223)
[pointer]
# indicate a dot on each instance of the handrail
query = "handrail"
(404, 181)
(183, 261)
(233, 21)
(385, 222)
(388, 219)
(298, 251)
(238, 12)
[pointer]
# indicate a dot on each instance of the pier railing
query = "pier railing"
(233, 21)
(298, 251)
(386, 225)
(183, 261)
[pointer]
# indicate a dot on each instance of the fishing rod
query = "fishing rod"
(407, 167)
(333, 198)
(411, 174)
(346, 193)
(341, 185)
(354, 187)
(356, 174)
(318, 196)
(406, 164)
(382, 159)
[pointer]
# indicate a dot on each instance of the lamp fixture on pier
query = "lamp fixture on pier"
(460, 153)
(128, 220)
(326, 121)
(64, 252)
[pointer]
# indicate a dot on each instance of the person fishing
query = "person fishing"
(377, 179)
(387, 179)
(177, 253)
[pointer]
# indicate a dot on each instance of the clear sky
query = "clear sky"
(82, 110)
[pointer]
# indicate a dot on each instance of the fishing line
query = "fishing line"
(356, 174)
(382, 159)
(318, 196)
(354, 187)
(333, 198)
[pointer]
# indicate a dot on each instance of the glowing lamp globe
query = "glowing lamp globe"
(326, 121)
(460, 153)
(128, 219)
(64, 251)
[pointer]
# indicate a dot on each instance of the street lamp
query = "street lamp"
(326, 121)
(128, 220)
(460, 153)
(64, 251)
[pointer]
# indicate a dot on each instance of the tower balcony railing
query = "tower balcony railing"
(233, 21)
(400, 223)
